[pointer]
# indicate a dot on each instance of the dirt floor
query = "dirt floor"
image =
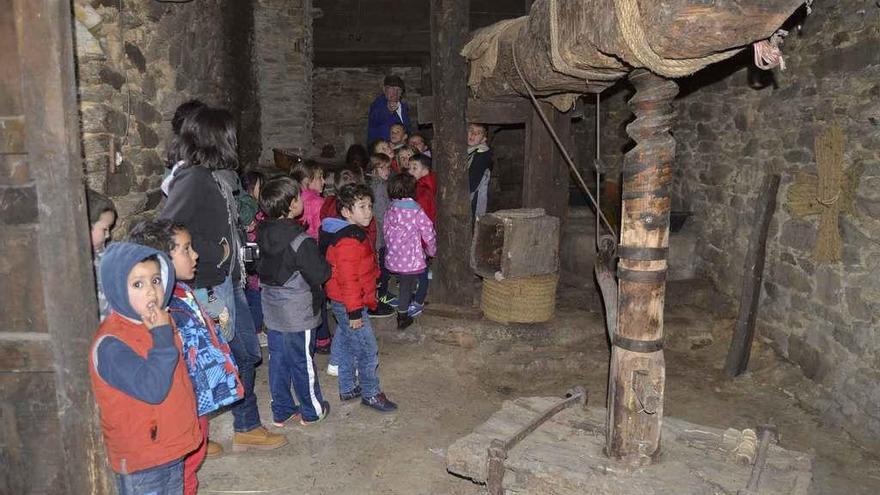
(450, 374)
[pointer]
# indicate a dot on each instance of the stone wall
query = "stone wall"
(342, 100)
(283, 56)
(730, 134)
(135, 66)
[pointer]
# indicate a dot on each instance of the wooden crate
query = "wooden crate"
(515, 244)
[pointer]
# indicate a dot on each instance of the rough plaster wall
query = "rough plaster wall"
(283, 49)
(730, 136)
(342, 101)
(135, 68)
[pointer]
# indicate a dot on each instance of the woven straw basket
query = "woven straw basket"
(519, 300)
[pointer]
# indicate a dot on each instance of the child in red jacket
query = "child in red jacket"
(352, 291)
(426, 184)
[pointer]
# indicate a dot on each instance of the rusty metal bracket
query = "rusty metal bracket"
(498, 449)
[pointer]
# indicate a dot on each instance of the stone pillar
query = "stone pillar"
(283, 58)
(638, 369)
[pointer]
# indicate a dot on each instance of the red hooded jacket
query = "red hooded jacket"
(426, 195)
(353, 264)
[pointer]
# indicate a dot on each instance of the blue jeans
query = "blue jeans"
(255, 304)
(166, 479)
(357, 349)
(291, 363)
(246, 351)
(384, 274)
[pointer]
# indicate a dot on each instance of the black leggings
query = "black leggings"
(407, 284)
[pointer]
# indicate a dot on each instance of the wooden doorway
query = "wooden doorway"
(49, 436)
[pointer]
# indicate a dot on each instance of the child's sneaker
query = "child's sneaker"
(354, 394)
(326, 410)
(281, 424)
(389, 299)
(379, 403)
(333, 369)
(403, 320)
(382, 311)
(264, 339)
(415, 309)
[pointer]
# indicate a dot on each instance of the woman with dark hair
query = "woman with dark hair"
(202, 197)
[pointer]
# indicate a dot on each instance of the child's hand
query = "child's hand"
(156, 317)
(356, 324)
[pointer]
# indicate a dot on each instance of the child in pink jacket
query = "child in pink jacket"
(409, 238)
(310, 176)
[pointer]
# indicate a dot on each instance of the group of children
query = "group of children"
(161, 360)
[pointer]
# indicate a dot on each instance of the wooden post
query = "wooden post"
(545, 174)
(637, 375)
(49, 436)
(453, 278)
(753, 274)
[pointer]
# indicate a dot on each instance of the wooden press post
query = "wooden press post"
(638, 370)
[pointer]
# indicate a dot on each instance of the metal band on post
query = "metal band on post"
(641, 346)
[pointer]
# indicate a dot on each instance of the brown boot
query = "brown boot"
(214, 450)
(259, 438)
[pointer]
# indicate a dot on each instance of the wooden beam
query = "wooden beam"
(744, 331)
(368, 58)
(545, 174)
(453, 279)
(49, 105)
(514, 110)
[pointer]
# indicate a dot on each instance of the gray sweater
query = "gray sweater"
(380, 206)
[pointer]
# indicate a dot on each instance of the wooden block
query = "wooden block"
(515, 244)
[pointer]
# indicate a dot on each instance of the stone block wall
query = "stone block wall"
(283, 57)
(730, 134)
(135, 66)
(342, 100)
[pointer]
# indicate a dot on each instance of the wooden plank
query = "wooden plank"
(545, 173)
(500, 111)
(452, 275)
(49, 103)
(12, 134)
(30, 458)
(753, 276)
(565, 456)
(25, 352)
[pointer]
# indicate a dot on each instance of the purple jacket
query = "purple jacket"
(409, 236)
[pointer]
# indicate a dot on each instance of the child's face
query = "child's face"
(316, 183)
(101, 230)
(184, 256)
(403, 158)
(383, 171)
(417, 170)
(384, 147)
(397, 135)
(361, 213)
(476, 135)
(418, 143)
(257, 185)
(296, 208)
(145, 288)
